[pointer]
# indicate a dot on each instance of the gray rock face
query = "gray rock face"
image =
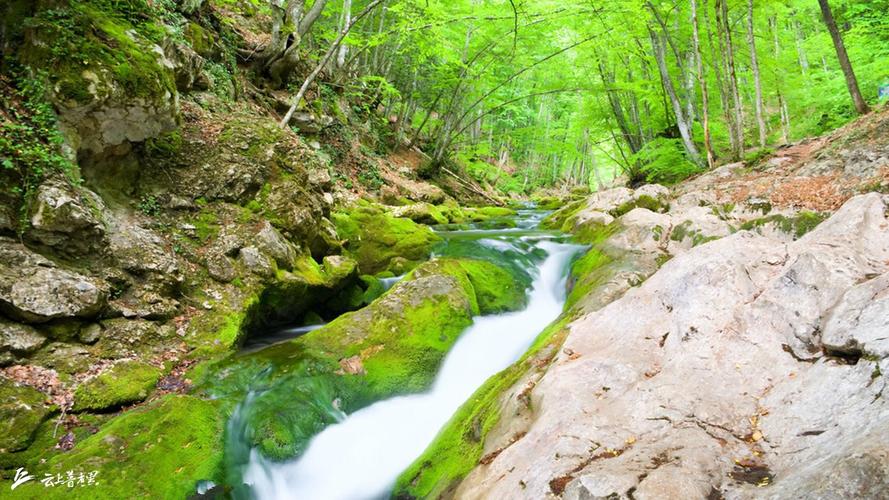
(33, 290)
(113, 118)
(18, 338)
(711, 378)
(67, 219)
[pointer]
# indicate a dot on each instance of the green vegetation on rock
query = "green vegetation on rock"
(127, 382)
(380, 242)
(159, 450)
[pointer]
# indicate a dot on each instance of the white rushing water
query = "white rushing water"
(362, 456)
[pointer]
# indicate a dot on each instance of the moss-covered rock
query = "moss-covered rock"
(106, 68)
(393, 346)
(496, 289)
(422, 213)
(794, 225)
(22, 410)
(376, 239)
(159, 450)
(127, 382)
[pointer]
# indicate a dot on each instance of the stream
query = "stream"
(361, 456)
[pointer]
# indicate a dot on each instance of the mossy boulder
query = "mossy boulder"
(292, 294)
(422, 213)
(393, 346)
(379, 241)
(127, 382)
(22, 410)
(159, 450)
(106, 68)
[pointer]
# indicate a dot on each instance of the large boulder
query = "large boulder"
(787, 337)
(18, 339)
(67, 219)
(380, 242)
(34, 290)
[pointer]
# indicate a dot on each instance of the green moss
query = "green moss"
(496, 289)
(797, 225)
(376, 239)
(588, 272)
(206, 225)
(22, 410)
(159, 450)
(79, 38)
(563, 218)
(643, 201)
(684, 231)
(459, 446)
(125, 383)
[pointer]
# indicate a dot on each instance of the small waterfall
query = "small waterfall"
(362, 456)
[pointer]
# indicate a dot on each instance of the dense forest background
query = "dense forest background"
(522, 94)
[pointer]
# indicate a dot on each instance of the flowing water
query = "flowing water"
(362, 456)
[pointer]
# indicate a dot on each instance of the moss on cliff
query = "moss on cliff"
(127, 382)
(380, 242)
(159, 450)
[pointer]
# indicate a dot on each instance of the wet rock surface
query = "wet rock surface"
(787, 335)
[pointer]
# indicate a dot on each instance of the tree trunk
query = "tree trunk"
(754, 63)
(683, 122)
(851, 81)
(800, 50)
(324, 60)
(702, 81)
(734, 92)
(344, 21)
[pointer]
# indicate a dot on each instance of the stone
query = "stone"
(90, 334)
(256, 262)
(320, 178)
(220, 267)
(140, 250)
(19, 338)
(40, 293)
(790, 340)
(422, 213)
(66, 219)
(859, 323)
(22, 410)
(270, 242)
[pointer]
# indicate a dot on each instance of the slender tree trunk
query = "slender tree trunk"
(324, 60)
(800, 49)
(851, 81)
(683, 122)
(734, 92)
(754, 64)
(344, 21)
(702, 81)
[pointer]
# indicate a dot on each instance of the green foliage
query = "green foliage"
(149, 205)
(665, 162)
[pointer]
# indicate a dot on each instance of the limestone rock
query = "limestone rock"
(33, 290)
(66, 219)
(19, 338)
(270, 242)
(256, 262)
(617, 412)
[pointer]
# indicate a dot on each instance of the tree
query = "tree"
(754, 64)
(702, 81)
(851, 81)
(290, 23)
